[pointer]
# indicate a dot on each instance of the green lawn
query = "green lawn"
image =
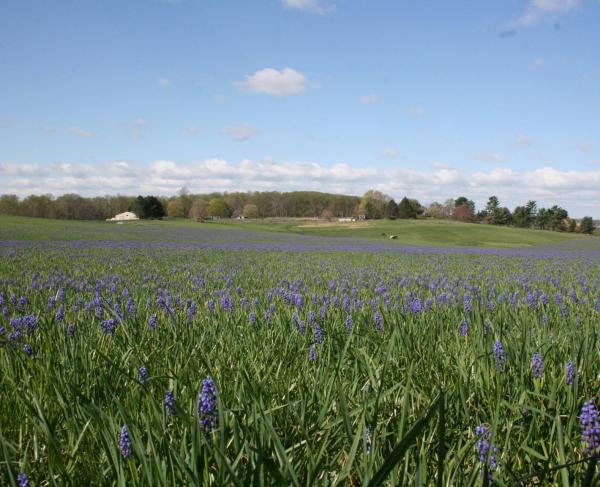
(414, 232)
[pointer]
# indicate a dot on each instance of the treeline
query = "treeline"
(527, 216)
(374, 205)
(185, 204)
(304, 204)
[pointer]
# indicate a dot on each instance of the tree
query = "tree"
(491, 209)
(463, 213)
(448, 208)
(218, 208)
(175, 208)
(587, 225)
(250, 211)
(525, 216)
(503, 216)
(147, 207)
(391, 210)
(186, 200)
(571, 225)
(372, 204)
(9, 204)
(463, 200)
(492, 204)
(435, 210)
(199, 209)
(543, 218)
(559, 217)
(409, 208)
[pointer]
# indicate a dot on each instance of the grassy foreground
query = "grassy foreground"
(125, 363)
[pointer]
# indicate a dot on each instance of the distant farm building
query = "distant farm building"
(123, 217)
(346, 220)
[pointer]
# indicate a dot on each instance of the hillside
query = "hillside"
(411, 232)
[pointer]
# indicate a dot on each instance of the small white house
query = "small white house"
(121, 217)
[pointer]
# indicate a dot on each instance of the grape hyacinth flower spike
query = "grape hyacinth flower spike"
(590, 426)
(207, 406)
(125, 442)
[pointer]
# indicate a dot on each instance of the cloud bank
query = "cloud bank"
(577, 191)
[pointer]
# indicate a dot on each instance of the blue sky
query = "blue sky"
(418, 98)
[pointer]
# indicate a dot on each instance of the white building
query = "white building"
(128, 215)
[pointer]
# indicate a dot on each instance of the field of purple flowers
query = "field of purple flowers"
(299, 361)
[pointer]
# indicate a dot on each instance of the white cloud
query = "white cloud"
(389, 153)
(192, 130)
(313, 6)
(538, 61)
(164, 82)
(242, 131)
(272, 82)
(369, 99)
(537, 10)
(12, 169)
(577, 191)
(441, 165)
(491, 157)
(523, 141)
(81, 132)
(585, 147)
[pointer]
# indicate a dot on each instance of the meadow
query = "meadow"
(173, 353)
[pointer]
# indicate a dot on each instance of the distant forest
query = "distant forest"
(296, 204)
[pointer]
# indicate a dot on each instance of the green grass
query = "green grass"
(412, 232)
(416, 232)
(416, 384)
(284, 420)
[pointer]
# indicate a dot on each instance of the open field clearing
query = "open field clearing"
(235, 357)
(437, 233)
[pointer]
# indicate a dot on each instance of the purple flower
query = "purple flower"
(590, 426)
(484, 446)
(60, 313)
(538, 365)
(378, 321)
(312, 353)
(169, 402)
(130, 307)
(499, 354)
(464, 328)
(109, 325)
(143, 375)
(570, 372)
(318, 334)
(125, 442)
(207, 406)
(252, 319)
(152, 322)
(27, 349)
(348, 324)
(70, 330)
(23, 480)
(415, 306)
(467, 306)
